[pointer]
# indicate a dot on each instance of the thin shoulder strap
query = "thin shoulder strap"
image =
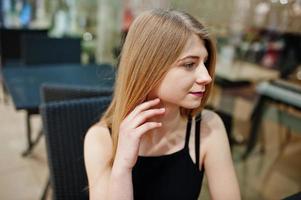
(198, 120)
(188, 128)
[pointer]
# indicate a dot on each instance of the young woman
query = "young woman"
(155, 141)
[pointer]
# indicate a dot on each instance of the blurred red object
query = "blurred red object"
(127, 19)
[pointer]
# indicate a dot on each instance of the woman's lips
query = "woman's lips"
(198, 94)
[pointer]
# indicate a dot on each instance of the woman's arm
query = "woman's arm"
(218, 162)
(120, 186)
(104, 180)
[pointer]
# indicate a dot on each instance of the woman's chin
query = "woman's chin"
(192, 105)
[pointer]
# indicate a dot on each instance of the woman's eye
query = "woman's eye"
(189, 65)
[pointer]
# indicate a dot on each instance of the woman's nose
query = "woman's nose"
(202, 75)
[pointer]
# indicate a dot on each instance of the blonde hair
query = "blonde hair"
(154, 41)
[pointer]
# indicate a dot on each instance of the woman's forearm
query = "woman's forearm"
(120, 185)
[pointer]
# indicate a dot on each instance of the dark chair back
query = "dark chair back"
(57, 92)
(44, 50)
(65, 124)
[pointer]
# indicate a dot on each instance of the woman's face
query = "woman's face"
(186, 76)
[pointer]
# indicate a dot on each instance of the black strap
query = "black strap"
(198, 120)
(188, 128)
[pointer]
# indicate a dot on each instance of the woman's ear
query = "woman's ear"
(147, 98)
(151, 95)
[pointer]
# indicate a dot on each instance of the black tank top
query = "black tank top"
(173, 176)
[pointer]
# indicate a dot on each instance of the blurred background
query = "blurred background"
(257, 89)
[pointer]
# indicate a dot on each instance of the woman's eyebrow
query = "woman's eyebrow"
(186, 57)
(192, 57)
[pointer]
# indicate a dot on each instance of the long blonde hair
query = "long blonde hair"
(154, 41)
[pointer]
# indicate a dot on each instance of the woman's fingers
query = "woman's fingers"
(144, 128)
(143, 116)
(140, 108)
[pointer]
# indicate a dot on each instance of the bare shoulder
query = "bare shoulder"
(98, 141)
(98, 134)
(212, 119)
(213, 132)
(217, 161)
(98, 148)
(97, 156)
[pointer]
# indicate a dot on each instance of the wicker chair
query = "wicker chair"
(65, 124)
(58, 92)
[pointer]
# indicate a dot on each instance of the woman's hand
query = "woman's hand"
(131, 130)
